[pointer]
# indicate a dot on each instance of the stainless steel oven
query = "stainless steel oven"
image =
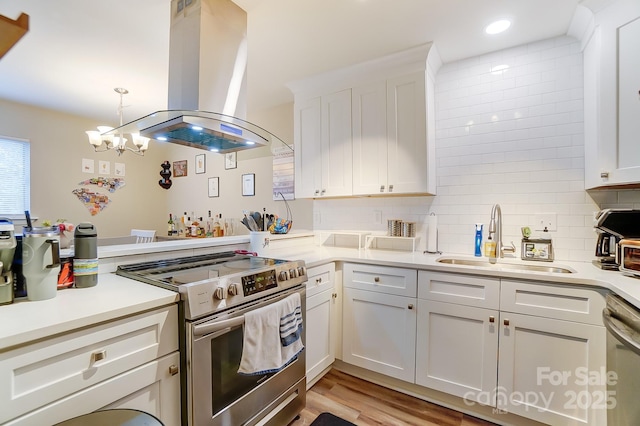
(217, 291)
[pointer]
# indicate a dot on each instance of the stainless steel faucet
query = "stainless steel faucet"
(495, 231)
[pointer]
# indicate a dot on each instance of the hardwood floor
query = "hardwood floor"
(364, 403)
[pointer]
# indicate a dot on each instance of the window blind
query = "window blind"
(14, 177)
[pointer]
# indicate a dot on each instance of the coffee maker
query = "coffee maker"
(612, 225)
(7, 251)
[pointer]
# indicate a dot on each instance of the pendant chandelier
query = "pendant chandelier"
(104, 135)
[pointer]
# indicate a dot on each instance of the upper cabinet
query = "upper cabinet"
(368, 129)
(612, 95)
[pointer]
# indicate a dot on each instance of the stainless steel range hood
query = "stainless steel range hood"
(207, 72)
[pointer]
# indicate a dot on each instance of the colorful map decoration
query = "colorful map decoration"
(108, 183)
(93, 201)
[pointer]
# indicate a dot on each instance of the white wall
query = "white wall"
(513, 138)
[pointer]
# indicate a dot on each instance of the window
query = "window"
(14, 177)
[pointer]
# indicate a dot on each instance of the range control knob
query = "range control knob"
(233, 289)
(293, 273)
(301, 271)
(283, 276)
(219, 293)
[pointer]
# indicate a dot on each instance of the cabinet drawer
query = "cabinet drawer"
(389, 280)
(461, 289)
(37, 374)
(320, 278)
(553, 301)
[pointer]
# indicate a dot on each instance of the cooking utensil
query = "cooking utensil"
(28, 216)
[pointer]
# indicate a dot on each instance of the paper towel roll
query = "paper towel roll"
(432, 233)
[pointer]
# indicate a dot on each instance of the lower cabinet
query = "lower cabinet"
(541, 355)
(321, 322)
(132, 362)
(379, 325)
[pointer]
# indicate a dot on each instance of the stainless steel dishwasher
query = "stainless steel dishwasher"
(622, 321)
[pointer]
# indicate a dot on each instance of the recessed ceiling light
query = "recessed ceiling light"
(497, 26)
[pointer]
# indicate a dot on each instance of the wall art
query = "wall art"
(180, 168)
(201, 164)
(88, 165)
(248, 184)
(230, 160)
(214, 187)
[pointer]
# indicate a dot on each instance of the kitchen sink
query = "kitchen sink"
(504, 265)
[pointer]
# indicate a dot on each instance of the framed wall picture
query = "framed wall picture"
(180, 168)
(214, 187)
(201, 163)
(248, 184)
(230, 160)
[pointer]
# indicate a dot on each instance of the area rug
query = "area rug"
(328, 419)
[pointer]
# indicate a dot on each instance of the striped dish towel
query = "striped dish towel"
(272, 337)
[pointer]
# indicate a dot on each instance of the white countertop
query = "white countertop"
(115, 296)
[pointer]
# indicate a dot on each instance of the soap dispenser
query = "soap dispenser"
(478, 251)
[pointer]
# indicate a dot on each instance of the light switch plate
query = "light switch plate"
(548, 221)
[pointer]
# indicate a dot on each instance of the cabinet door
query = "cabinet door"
(407, 134)
(457, 350)
(552, 371)
(369, 105)
(379, 332)
(612, 97)
(337, 155)
(307, 148)
(319, 346)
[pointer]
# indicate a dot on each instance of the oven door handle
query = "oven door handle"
(213, 327)
(620, 331)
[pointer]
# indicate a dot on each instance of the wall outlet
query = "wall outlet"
(377, 216)
(545, 221)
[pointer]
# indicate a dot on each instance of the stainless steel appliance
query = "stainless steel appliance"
(623, 357)
(216, 291)
(612, 225)
(628, 256)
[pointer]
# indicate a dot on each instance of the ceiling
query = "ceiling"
(77, 51)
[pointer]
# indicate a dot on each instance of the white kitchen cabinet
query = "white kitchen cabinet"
(321, 322)
(542, 342)
(457, 334)
(391, 136)
(323, 147)
(379, 319)
(612, 97)
(132, 362)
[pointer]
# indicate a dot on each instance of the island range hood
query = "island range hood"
(207, 72)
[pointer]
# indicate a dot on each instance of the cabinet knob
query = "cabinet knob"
(173, 370)
(604, 175)
(410, 306)
(318, 280)
(334, 295)
(99, 355)
(492, 319)
(381, 188)
(390, 188)
(506, 322)
(376, 279)
(317, 191)
(323, 191)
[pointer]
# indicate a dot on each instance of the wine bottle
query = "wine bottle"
(170, 225)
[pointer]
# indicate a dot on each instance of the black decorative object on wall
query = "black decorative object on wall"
(165, 182)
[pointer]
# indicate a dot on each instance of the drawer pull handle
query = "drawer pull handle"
(506, 322)
(99, 356)
(376, 279)
(492, 319)
(410, 306)
(173, 370)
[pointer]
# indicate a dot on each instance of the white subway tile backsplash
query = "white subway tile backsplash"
(514, 138)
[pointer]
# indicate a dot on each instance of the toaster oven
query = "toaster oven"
(628, 256)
